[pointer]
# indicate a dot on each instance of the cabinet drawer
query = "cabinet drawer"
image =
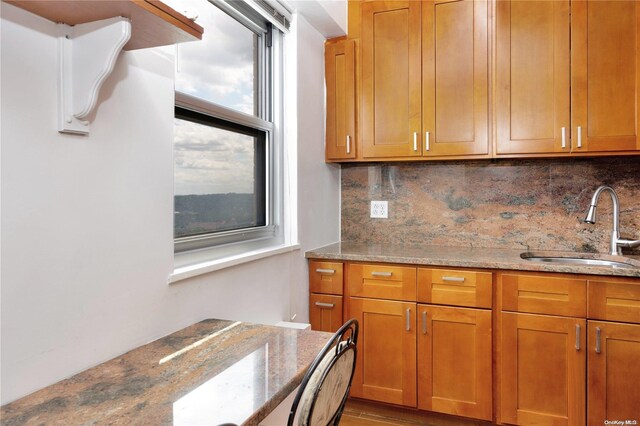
(380, 281)
(615, 300)
(544, 294)
(455, 287)
(325, 277)
(325, 312)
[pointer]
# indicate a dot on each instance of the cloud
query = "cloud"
(220, 67)
(208, 160)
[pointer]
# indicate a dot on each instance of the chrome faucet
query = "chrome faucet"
(616, 241)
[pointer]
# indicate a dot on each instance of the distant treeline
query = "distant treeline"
(198, 214)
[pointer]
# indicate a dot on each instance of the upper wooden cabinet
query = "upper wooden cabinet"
(455, 78)
(532, 76)
(391, 68)
(605, 75)
(564, 79)
(424, 78)
(567, 77)
(340, 77)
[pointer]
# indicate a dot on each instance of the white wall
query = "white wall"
(86, 222)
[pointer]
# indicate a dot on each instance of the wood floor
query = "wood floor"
(366, 413)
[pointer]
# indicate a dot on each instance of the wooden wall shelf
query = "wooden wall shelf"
(153, 23)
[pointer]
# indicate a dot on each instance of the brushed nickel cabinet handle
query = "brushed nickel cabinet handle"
(427, 146)
(381, 274)
(579, 137)
(454, 279)
(577, 337)
(408, 319)
(322, 305)
(415, 141)
(326, 271)
(424, 322)
(564, 137)
(348, 144)
(598, 349)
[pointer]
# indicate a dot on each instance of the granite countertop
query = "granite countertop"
(211, 373)
(468, 257)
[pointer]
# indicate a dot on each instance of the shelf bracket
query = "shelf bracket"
(88, 53)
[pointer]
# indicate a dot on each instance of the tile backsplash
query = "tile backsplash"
(525, 204)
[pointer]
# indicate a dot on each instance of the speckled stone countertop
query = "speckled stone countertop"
(467, 257)
(210, 373)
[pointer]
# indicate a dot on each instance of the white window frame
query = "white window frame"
(193, 250)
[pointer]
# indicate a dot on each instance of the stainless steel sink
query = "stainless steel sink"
(580, 259)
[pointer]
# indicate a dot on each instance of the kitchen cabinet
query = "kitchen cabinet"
(543, 369)
(340, 78)
(383, 299)
(454, 343)
(455, 81)
(391, 74)
(613, 372)
(325, 295)
(567, 77)
(386, 359)
(613, 350)
(424, 79)
(454, 361)
(542, 348)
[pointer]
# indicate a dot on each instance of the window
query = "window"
(220, 175)
(227, 144)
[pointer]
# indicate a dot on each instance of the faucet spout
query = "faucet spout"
(616, 241)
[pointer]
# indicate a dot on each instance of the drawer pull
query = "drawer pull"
(381, 274)
(424, 322)
(579, 137)
(408, 319)
(598, 350)
(577, 337)
(453, 279)
(326, 271)
(322, 305)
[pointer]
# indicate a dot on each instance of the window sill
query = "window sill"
(185, 272)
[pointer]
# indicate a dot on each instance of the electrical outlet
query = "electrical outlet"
(380, 209)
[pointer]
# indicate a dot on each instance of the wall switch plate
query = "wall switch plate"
(380, 209)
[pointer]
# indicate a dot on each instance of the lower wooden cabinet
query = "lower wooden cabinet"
(564, 348)
(613, 372)
(325, 312)
(386, 361)
(454, 361)
(543, 364)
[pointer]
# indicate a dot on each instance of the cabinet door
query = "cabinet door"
(605, 75)
(542, 370)
(386, 361)
(454, 78)
(614, 372)
(325, 312)
(454, 361)
(532, 77)
(340, 77)
(391, 69)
